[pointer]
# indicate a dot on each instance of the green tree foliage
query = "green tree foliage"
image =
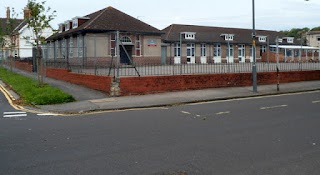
(40, 18)
(295, 32)
(316, 29)
(38, 22)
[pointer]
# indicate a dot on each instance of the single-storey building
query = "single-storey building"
(203, 44)
(313, 38)
(91, 39)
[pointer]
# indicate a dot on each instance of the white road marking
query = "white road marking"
(222, 113)
(185, 112)
(272, 107)
(316, 102)
(14, 114)
(47, 114)
(5, 113)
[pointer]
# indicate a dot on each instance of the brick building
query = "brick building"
(203, 44)
(91, 39)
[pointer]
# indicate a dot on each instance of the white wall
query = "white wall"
(25, 46)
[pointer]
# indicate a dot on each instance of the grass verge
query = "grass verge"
(30, 91)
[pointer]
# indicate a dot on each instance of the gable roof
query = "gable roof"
(4, 25)
(110, 19)
(206, 34)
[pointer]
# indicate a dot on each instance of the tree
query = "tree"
(38, 22)
(295, 32)
(7, 42)
(316, 29)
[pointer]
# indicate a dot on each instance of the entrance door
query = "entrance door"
(191, 54)
(241, 53)
(124, 59)
(163, 55)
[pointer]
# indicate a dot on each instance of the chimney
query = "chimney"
(26, 13)
(8, 14)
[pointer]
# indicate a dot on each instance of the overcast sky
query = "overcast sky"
(270, 14)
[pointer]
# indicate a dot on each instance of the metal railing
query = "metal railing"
(182, 69)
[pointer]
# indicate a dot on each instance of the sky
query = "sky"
(270, 14)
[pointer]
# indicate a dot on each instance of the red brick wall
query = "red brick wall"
(22, 65)
(102, 83)
(154, 84)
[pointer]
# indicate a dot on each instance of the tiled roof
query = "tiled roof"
(110, 19)
(20, 26)
(4, 24)
(205, 34)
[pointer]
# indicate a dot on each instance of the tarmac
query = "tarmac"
(89, 100)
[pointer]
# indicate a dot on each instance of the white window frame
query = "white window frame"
(290, 40)
(217, 50)
(262, 39)
(242, 50)
(67, 24)
(71, 47)
(75, 23)
(80, 46)
(192, 49)
(190, 35)
(138, 43)
(203, 50)
(177, 50)
(230, 49)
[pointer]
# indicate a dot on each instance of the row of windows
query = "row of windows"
(217, 50)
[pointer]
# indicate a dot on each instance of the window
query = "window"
(203, 50)
(80, 46)
(75, 23)
(228, 37)
(57, 49)
(51, 50)
(138, 45)
(318, 38)
(217, 50)
(190, 50)
(241, 50)
(263, 49)
(113, 48)
(262, 39)
(67, 25)
(63, 48)
(189, 35)
(177, 48)
(126, 40)
(61, 28)
(290, 40)
(230, 51)
(251, 50)
(70, 47)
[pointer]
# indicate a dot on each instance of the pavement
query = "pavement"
(89, 100)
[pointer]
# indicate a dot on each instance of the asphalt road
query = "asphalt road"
(278, 135)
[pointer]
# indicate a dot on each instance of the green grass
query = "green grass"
(30, 91)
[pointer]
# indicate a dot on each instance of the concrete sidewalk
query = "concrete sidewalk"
(91, 100)
(175, 98)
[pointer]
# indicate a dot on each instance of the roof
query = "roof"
(110, 19)
(208, 34)
(295, 47)
(4, 24)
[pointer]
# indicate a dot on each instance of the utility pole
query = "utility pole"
(278, 74)
(254, 67)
